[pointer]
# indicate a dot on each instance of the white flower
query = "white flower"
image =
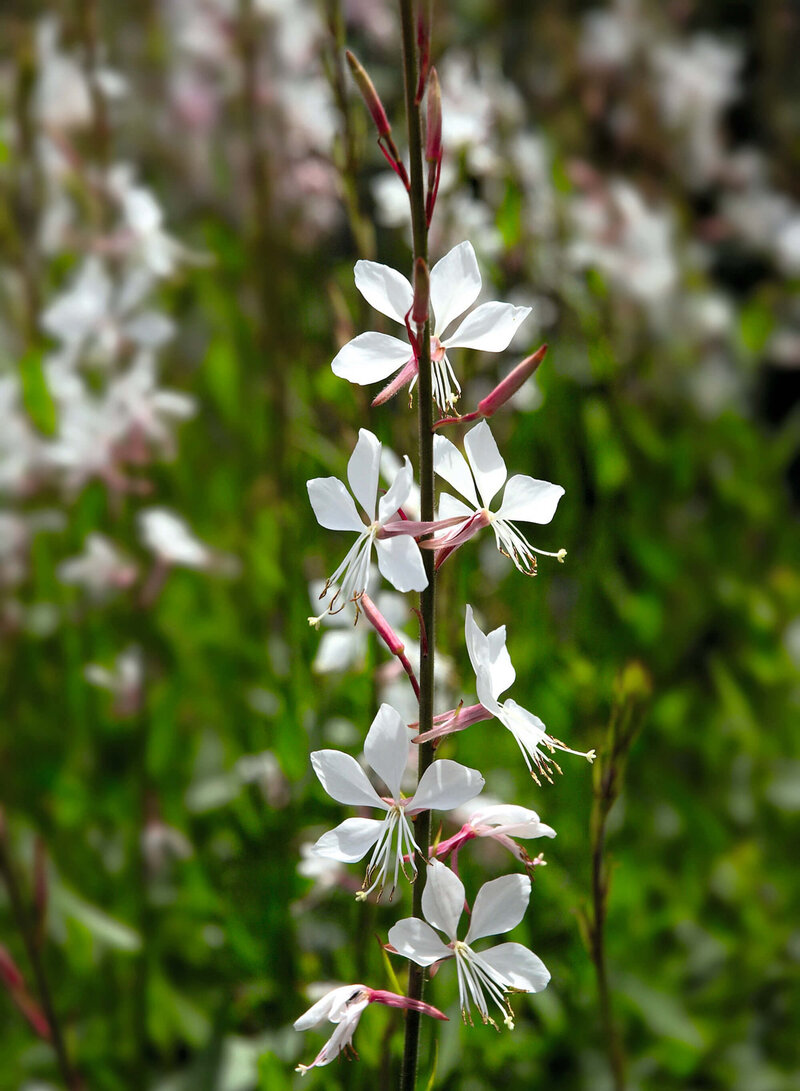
(398, 556)
(499, 906)
(124, 681)
(494, 673)
(524, 498)
(343, 1007)
(455, 283)
(100, 569)
(443, 785)
(499, 821)
(166, 535)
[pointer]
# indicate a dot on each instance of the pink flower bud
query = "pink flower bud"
(433, 128)
(511, 384)
(9, 973)
(370, 95)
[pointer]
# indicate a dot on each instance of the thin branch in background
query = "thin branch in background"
(25, 918)
(632, 689)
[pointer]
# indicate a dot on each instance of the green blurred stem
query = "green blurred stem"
(416, 974)
(611, 1035)
(26, 924)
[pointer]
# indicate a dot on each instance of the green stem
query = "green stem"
(416, 974)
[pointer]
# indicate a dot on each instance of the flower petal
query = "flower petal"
(499, 906)
(339, 649)
(486, 691)
(519, 967)
(449, 463)
(450, 507)
(350, 840)
(344, 780)
(513, 820)
(530, 500)
(333, 505)
(500, 666)
(398, 492)
(485, 460)
(455, 283)
(386, 747)
(384, 289)
(489, 327)
(445, 784)
(326, 1006)
(370, 357)
(443, 898)
(363, 469)
(417, 940)
(400, 562)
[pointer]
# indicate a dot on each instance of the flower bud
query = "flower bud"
(422, 293)
(433, 128)
(370, 95)
(511, 384)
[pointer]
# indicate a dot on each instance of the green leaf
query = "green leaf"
(35, 394)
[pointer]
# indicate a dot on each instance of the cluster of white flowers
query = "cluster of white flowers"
(388, 529)
(103, 333)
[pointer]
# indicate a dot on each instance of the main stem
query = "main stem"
(416, 974)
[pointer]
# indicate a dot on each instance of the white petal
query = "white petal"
(449, 463)
(370, 357)
(400, 562)
(445, 784)
(398, 492)
(333, 505)
(519, 967)
(384, 289)
(477, 642)
(486, 690)
(338, 650)
(455, 283)
(499, 906)
(443, 898)
(320, 1011)
(363, 469)
(530, 500)
(500, 666)
(386, 748)
(351, 840)
(485, 461)
(344, 780)
(489, 327)
(514, 820)
(449, 507)
(417, 940)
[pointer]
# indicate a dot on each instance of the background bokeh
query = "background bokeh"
(184, 188)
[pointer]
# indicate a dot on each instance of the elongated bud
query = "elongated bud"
(423, 46)
(9, 973)
(370, 95)
(422, 293)
(511, 384)
(433, 127)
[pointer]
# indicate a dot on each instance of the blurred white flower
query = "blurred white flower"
(100, 569)
(167, 536)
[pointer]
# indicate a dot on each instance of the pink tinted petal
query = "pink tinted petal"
(386, 747)
(489, 327)
(443, 898)
(445, 784)
(455, 283)
(416, 940)
(398, 492)
(499, 906)
(349, 841)
(333, 505)
(520, 968)
(363, 469)
(344, 780)
(486, 461)
(370, 357)
(384, 289)
(529, 500)
(449, 463)
(400, 562)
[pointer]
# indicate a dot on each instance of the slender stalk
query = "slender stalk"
(26, 924)
(416, 974)
(616, 1056)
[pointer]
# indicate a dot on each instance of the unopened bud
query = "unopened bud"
(9, 973)
(433, 128)
(369, 95)
(511, 384)
(422, 293)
